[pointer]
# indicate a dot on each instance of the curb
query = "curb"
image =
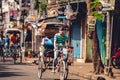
(89, 76)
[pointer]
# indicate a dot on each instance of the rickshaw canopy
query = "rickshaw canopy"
(19, 32)
(56, 24)
(9, 30)
(49, 27)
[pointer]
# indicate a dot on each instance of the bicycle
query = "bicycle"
(61, 66)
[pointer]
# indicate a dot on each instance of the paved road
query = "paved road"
(9, 71)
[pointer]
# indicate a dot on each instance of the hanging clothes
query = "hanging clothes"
(101, 39)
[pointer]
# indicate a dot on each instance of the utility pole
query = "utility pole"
(108, 68)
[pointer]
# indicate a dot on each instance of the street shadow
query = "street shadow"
(17, 63)
(9, 61)
(56, 79)
(5, 68)
(27, 64)
(10, 74)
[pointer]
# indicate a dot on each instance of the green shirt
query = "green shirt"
(60, 39)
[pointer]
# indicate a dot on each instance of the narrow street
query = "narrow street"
(27, 71)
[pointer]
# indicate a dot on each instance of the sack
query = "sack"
(47, 41)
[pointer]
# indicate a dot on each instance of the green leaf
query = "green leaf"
(94, 4)
(97, 15)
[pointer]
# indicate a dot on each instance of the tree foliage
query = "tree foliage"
(96, 7)
(97, 15)
(40, 6)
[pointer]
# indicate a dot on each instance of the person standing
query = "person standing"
(1, 46)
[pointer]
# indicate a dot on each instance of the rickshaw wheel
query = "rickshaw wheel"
(39, 73)
(40, 67)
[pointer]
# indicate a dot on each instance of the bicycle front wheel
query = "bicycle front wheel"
(63, 71)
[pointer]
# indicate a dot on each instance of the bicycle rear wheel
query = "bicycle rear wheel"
(63, 71)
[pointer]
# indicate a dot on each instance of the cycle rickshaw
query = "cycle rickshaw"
(45, 59)
(14, 51)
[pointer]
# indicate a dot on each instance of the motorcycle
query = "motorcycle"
(115, 61)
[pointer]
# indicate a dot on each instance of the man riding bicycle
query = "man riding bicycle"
(60, 42)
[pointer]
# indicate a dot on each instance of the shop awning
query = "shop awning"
(56, 24)
(61, 17)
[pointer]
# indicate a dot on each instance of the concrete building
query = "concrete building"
(9, 9)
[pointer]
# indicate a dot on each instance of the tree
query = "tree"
(40, 6)
(92, 6)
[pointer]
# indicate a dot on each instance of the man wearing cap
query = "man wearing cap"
(60, 41)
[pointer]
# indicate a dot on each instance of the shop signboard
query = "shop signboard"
(91, 21)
